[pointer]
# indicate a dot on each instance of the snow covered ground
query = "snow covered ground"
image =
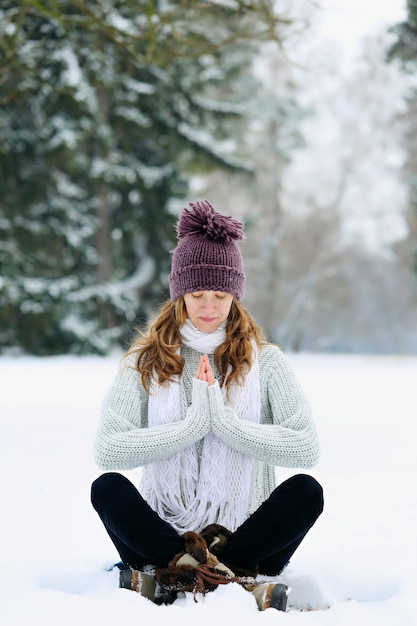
(356, 567)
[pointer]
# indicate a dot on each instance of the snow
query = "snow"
(358, 560)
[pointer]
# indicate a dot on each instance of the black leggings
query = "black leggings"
(268, 537)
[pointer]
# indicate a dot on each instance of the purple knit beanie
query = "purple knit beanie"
(207, 257)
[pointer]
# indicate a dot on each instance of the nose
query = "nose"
(208, 301)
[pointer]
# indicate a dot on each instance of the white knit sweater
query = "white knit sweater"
(284, 437)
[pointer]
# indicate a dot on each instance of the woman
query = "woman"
(208, 408)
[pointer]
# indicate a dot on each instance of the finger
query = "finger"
(201, 369)
(203, 364)
(209, 373)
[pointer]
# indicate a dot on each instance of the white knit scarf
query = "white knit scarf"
(221, 488)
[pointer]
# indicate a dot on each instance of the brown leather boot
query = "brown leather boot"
(146, 586)
(270, 595)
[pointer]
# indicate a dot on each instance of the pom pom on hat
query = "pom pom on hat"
(205, 220)
(207, 257)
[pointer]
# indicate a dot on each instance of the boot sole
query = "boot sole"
(146, 586)
(279, 597)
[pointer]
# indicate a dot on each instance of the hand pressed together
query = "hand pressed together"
(204, 370)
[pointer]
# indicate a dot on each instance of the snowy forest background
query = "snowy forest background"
(113, 115)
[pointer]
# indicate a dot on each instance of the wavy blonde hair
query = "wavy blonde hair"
(157, 349)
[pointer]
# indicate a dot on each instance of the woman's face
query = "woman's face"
(206, 310)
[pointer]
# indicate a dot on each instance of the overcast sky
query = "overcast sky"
(348, 20)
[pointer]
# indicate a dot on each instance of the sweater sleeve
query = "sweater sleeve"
(288, 439)
(123, 443)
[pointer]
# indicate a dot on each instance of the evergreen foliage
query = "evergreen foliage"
(405, 46)
(404, 50)
(104, 108)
